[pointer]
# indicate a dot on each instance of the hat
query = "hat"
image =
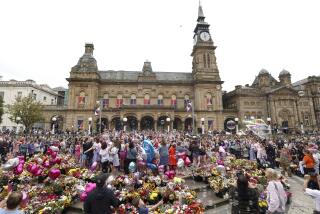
(101, 179)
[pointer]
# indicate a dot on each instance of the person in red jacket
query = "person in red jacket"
(172, 157)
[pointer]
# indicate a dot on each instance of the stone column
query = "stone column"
(275, 112)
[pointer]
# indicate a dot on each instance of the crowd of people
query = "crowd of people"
(113, 152)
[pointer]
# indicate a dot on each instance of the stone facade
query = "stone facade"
(12, 89)
(290, 106)
(147, 98)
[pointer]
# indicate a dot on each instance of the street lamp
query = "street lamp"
(269, 124)
(202, 125)
(302, 129)
(54, 119)
(90, 120)
(168, 121)
(252, 117)
(99, 102)
(124, 123)
(237, 124)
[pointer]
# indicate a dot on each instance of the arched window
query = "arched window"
(160, 99)
(186, 100)
(208, 56)
(82, 98)
(133, 99)
(204, 60)
(105, 101)
(119, 101)
(209, 99)
(174, 101)
(146, 99)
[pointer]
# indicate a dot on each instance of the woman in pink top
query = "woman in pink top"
(77, 152)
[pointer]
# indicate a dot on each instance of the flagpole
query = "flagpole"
(100, 112)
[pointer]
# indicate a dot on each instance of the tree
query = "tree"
(27, 110)
(1, 108)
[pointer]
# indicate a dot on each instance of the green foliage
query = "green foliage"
(28, 110)
(1, 108)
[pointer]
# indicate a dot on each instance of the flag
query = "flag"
(97, 111)
(189, 106)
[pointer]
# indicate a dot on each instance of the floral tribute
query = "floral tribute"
(52, 182)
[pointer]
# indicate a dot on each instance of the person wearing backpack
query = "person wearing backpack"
(276, 196)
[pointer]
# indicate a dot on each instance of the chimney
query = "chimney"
(89, 49)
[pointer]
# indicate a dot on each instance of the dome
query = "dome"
(263, 71)
(284, 72)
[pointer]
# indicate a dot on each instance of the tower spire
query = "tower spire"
(200, 13)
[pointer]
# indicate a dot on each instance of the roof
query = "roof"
(284, 72)
(133, 76)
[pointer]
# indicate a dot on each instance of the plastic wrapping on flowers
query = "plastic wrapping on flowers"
(45, 180)
(53, 182)
(223, 174)
(176, 196)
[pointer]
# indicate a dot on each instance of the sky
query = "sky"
(42, 40)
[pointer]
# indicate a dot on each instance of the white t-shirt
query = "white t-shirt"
(5, 211)
(104, 155)
(315, 194)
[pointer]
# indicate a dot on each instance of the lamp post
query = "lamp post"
(168, 120)
(269, 124)
(202, 125)
(99, 102)
(54, 119)
(90, 121)
(237, 126)
(302, 129)
(124, 123)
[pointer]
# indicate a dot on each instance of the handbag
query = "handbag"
(279, 198)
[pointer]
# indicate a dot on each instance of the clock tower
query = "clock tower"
(204, 65)
(205, 73)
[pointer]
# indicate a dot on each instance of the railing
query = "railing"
(55, 107)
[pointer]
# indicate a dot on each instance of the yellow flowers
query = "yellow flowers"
(263, 203)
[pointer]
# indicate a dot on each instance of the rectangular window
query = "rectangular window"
(19, 94)
(160, 102)
(210, 124)
(35, 96)
(80, 124)
(2, 94)
(146, 102)
(133, 101)
(119, 103)
(52, 101)
(174, 103)
(44, 98)
(105, 103)
(306, 120)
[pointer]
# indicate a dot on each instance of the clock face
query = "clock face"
(205, 36)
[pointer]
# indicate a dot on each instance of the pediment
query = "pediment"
(284, 91)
